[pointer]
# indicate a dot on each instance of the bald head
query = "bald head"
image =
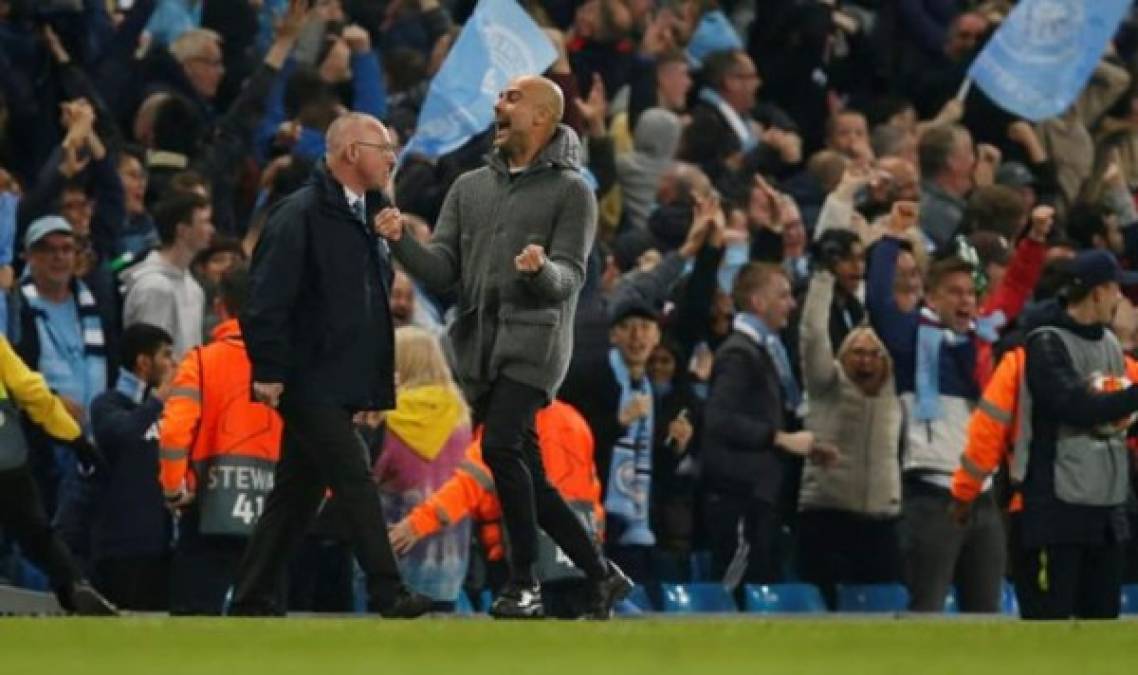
(545, 94)
(359, 151)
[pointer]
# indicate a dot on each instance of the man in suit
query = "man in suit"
(752, 397)
(319, 333)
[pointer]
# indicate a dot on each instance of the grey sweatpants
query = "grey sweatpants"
(939, 553)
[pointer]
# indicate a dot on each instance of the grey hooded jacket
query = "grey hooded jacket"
(654, 149)
(510, 324)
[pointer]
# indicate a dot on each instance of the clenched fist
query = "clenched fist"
(531, 259)
(389, 224)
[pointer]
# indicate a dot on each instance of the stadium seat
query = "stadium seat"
(950, 605)
(872, 598)
(1009, 604)
(783, 598)
(1130, 599)
(462, 605)
(639, 597)
(697, 598)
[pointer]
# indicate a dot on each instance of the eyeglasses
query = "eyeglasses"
(382, 147)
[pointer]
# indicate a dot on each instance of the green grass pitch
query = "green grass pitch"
(833, 646)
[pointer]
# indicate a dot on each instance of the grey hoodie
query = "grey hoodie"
(510, 324)
(163, 295)
(654, 145)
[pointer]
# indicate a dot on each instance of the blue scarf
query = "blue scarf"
(738, 124)
(932, 335)
(131, 387)
(630, 474)
(94, 345)
(754, 328)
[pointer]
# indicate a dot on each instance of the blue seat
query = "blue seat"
(950, 604)
(639, 597)
(1130, 599)
(462, 604)
(782, 598)
(1009, 604)
(872, 598)
(697, 598)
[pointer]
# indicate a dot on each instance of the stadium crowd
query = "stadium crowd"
(823, 286)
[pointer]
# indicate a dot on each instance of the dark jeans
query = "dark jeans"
(1071, 581)
(203, 569)
(939, 553)
(510, 449)
(320, 449)
(140, 582)
(320, 577)
(841, 547)
(23, 517)
(735, 524)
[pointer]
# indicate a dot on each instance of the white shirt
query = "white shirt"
(353, 198)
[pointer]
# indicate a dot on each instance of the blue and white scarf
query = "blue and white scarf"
(94, 344)
(931, 336)
(630, 474)
(740, 126)
(754, 328)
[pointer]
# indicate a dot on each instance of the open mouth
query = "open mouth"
(501, 129)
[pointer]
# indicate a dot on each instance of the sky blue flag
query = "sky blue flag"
(713, 34)
(1041, 57)
(498, 43)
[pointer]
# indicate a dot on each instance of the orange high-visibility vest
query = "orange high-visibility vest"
(567, 454)
(996, 431)
(214, 440)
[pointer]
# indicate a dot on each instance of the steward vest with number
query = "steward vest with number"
(215, 441)
(567, 455)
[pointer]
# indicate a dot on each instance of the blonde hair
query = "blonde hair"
(193, 43)
(419, 361)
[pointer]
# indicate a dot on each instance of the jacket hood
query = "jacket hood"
(152, 264)
(563, 150)
(1053, 313)
(889, 386)
(425, 417)
(657, 134)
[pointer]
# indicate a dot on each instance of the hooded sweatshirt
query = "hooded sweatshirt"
(163, 295)
(654, 148)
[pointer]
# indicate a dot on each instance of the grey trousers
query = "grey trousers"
(939, 553)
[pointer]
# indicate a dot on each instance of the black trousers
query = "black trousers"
(841, 547)
(138, 582)
(735, 524)
(1070, 581)
(510, 449)
(203, 569)
(320, 449)
(23, 517)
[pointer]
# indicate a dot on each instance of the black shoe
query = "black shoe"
(518, 601)
(406, 605)
(613, 588)
(88, 602)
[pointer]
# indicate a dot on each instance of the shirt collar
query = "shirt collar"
(130, 386)
(352, 197)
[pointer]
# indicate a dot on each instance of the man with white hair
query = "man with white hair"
(319, 332)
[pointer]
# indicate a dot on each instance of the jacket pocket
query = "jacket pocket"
(1091, 471)
(525, 336)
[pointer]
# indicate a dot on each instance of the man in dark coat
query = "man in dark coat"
(319, 333)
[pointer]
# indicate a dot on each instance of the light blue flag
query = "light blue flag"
(498, 43)
(713, 34)
(1041, 57)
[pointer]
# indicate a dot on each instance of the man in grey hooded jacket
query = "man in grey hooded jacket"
(512, 239)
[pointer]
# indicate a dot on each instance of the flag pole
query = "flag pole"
(965, 86)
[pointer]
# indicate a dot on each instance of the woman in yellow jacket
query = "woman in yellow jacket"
(21, 511)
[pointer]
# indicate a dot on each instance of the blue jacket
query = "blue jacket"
(130, 514)
(368, 96)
